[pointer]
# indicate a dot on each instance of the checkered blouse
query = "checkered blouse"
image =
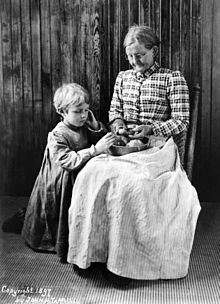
(159, 97)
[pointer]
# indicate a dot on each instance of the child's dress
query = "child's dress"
(46, 220)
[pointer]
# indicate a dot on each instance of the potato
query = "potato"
(135, 143)
(119, 142)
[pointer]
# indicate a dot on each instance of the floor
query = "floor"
(30, 277)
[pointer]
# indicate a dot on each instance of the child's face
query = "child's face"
(76, 115)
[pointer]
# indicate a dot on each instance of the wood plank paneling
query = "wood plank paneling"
(28, 118)
(185, 38)
(38, 134)
(46, 64)
(16, 54)
(17, 74)
(165, 51)
(105, 87)
(75, 44)
(125, 20)
(85, 46)
(114, 40)
(55, 44)
(144, 12)
(196, 43)
(7, 115)
(36, 52)
(46, 43)
(26, 53)
(175, 34)
(134, 7)
(203, 164)
(1, 52)
(66, 40)
(215, 108)
(155, 14)
(96, 33)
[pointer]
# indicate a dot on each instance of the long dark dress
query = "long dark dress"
(46, 219)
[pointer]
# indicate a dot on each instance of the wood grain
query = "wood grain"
(7, 114)
(215, 109)
(46, 43)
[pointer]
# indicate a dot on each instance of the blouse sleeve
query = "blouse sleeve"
(178, 96)
(116, 107)
(64, 156)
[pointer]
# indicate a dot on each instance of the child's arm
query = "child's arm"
(92, 122)
(64, 156)
(96, 129)
(69, 159)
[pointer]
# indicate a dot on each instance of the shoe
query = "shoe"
(116, 279)
(15, 223)
(82, 272)
(63, 260)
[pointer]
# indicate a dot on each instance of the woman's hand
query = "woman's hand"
(104, 143)
(141, 131)
(91, 121)
(124, 132)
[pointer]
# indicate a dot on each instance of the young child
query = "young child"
(74, 140)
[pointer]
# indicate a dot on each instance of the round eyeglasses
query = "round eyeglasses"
(137, 56)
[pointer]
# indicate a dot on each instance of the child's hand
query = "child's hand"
(91, 121)
(104, 143)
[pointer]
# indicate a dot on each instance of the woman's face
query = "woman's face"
(139, 57)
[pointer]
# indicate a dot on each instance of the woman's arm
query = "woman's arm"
(178, 95)
(116, 107)
(116, 112)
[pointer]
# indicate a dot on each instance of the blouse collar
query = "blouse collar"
(148, 72)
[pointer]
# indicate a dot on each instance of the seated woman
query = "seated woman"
(156, 99)
(137, 212)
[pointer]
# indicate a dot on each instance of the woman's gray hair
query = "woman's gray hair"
(143, 34)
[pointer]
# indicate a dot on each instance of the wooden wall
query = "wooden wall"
(207, 173)
(45, 43)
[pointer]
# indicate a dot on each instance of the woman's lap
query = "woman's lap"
(137, 213)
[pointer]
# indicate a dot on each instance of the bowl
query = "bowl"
(153, 141)
(123, 150)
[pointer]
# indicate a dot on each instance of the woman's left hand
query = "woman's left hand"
(91, 121)
(141, 131)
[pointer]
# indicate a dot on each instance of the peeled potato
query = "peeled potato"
(119, 142)
(135, 143)
(125, 139)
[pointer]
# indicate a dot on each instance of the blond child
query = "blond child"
(74, 140)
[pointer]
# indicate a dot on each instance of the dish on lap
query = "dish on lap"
(121, 147)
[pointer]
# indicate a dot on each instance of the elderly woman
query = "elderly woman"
(137, 213)
(149, 99)
(154, 98)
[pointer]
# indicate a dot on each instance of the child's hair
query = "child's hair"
(68, 95)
